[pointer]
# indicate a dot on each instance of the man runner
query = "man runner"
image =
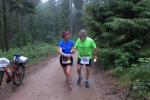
(86, 48)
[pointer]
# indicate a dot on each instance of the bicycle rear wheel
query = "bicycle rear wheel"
(19, 75)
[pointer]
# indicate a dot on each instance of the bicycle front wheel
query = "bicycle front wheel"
(19, 75)
(1, 76)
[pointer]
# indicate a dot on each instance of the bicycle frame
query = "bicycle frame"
(10, 77)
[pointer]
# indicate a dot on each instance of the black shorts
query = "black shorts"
(64, 65)
(88, 65)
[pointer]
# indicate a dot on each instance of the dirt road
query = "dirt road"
(48, 83)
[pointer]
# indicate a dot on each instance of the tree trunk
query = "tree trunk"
(71, 16)
(5, 26)
(19, 30)
(1, 28)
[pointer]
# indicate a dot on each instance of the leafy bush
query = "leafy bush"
(137, 76)
(111, 58)
(141, 88)
(118, 71)
(142, 71)
(122, 31)
(33, 52)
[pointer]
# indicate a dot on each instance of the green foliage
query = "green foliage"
(122, 59)
(26, 39)
(107, 57)
(115, 58)
(119, 29)
(118, 71)
(141, 88)
(122, 31)
(120, 26)
(140, 77)
(137, 76)
(33, 52)
(145, 52)
(50, 21)
(24, 7)
(141, 72)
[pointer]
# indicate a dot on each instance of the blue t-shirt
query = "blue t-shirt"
(66, 46)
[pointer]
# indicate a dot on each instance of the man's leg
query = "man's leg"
(88, 69)
(88, 74)
(79, 69)
(79, 73)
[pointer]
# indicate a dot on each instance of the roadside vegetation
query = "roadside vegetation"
(122, 31)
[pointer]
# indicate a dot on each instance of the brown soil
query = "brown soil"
(46, 81)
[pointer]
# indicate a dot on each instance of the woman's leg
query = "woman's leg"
(68, 73)
(65, 72)
(69, 76)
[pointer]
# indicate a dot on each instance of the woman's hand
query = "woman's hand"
(72, 51)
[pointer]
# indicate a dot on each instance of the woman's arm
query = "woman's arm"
(64, 54)
(60, 51)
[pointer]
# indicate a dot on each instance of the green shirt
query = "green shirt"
(85, 47)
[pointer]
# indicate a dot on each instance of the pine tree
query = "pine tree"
(123, 26)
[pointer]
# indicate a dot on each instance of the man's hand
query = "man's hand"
(95, 53)
(95, 58)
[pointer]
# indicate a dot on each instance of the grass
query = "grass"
(33, 52)
(137, 76)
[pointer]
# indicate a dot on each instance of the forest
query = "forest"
(24, 24)
(121, 29)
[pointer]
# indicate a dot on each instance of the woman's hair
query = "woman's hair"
(65, 33)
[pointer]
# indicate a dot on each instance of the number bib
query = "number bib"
(66, 60)
(85, 60)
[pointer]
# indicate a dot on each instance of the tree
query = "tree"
(120, 25)
(21, 8)
(1, 27)
(122, 31)
(65, 13)
(78, 23)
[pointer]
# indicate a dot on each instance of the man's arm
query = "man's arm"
(94, 51)
(75, 47)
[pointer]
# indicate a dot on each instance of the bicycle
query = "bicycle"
(16, 75)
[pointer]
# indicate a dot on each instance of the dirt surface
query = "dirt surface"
(46, 81)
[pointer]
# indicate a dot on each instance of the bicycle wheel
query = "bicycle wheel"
(1, 76)
(19, 75)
